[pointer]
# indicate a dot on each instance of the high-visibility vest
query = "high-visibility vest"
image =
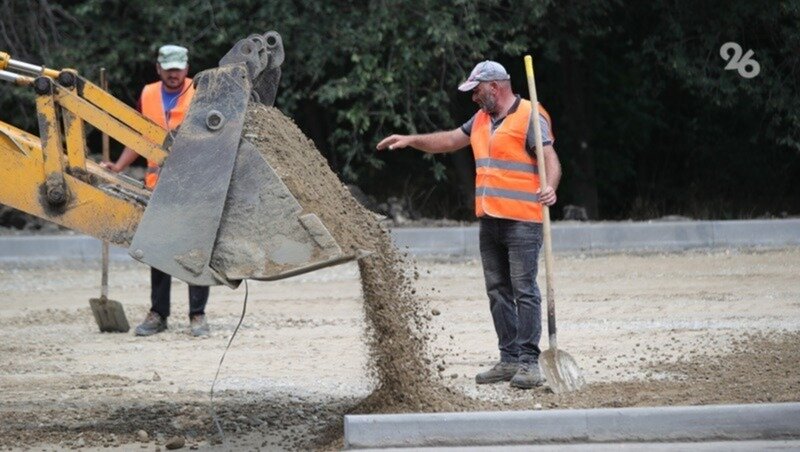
(153, 108)
(507, 176)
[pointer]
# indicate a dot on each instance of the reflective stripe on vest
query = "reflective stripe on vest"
(153, 109)
(504, 164)
(510, 194)
(507, 176)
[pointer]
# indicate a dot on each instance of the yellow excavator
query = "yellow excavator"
(219, 214)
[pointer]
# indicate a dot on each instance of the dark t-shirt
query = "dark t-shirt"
(530, 139)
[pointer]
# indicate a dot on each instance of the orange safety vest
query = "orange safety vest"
(507, 176)
(153, 108)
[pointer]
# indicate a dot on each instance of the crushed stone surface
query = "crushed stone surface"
(674, 329)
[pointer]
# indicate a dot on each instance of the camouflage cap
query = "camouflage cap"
(173, 57)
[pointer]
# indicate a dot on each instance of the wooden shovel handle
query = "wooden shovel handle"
(548, 244)
(106, 158)
(104, 85)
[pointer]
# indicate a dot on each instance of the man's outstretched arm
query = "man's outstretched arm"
(432, 143)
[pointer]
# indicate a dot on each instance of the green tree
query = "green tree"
(647, 120)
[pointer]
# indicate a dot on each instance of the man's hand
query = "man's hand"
(432, 143)
(111, 166)
(394, 142)
(547, 196)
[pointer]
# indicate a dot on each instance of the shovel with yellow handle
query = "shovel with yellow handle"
(559, 368)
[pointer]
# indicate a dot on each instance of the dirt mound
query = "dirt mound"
(395, 314)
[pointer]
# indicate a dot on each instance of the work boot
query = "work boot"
(152, 324)
(528, 376)
(199, 326)
(501, 371)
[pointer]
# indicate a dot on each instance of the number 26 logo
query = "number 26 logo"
(745, 65)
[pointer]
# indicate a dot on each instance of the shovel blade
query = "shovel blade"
(561, 371)
(109, 315)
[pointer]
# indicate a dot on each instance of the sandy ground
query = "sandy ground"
(659, 329)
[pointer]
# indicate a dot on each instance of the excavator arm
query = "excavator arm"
(219, 213)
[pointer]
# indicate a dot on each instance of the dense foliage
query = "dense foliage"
(647, 120)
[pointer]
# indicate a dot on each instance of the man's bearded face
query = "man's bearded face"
(173, 78)
(486, 98)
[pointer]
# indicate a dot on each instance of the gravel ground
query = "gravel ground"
(657, 329)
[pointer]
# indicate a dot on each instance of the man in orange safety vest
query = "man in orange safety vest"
(166, 103)
(508, 204)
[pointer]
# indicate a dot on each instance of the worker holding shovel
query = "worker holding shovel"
(508, 203)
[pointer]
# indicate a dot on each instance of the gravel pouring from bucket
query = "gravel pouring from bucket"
(559, 368)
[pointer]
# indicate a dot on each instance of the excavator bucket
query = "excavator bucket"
(220, 213)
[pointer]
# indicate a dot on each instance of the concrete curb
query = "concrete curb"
(623, 236)
(683, 423)
(463, 241)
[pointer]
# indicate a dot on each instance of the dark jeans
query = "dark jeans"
(160, 284)
(510, 255)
